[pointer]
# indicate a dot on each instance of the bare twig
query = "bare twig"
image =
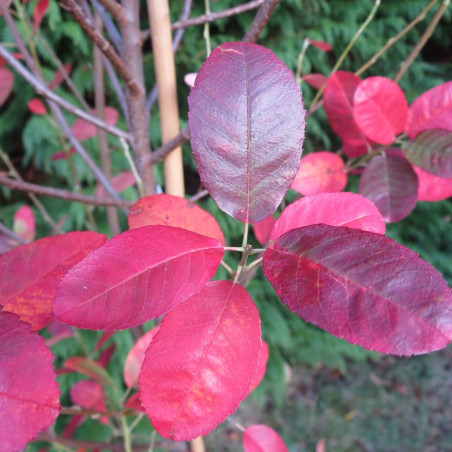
(164, 150)
(61, 194)
(115, 9)
(77, 13)
(109, 25)
(199, 195)
(12, 234)
(424, 38)
(260, 20)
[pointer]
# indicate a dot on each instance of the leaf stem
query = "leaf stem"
(240, 249)
(126, 150)
(300, 59)
(206, 33)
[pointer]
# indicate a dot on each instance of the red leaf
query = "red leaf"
(315, 80)
(263, 359)
(120, 182)
(89, 368)
(390, 182)
(432, 151)
(356, 149)
(37, 107)
(134, 402)
(135, 358)
(432, 188)
(362, 287)
(260, 438)
(59, 77)
(62, 155)
(174, 211)
(431, 110)
(247, 128)
(263, 228)
(338, 104)
(201, 363)
(90, 395)
(380, 109)
(30, 274)
(103, 339)
(39, 12)
(105, 356)
(320, 172)
(83, 130)
(24, 223)
(136, 276)
(336, 209)
(6, 84)
(322, 45)
(29, 395)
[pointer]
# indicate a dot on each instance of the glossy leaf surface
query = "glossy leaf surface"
(260, 438)
(201, 363)
(338, 104)
(390, 182)
(336, 209)
(30, 275)
(174, 211)
(431, 110)
(362, 287)
(432, 151)
(29, 394)
(247, 128)
(6, 84)
(320, 172)
(136, 276)
(432, 188)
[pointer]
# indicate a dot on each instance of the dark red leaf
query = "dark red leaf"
(119, 182)
(260, 438)
(83, 130)
(322, 45)
(431, 151)
(135, 358)
(136, 276)
(247, 128)
(29, 394)
(105, 356)
(6, 84)
(62, 155)
(90, 395)
(24, 224)
(263, 358)
(390, 182)
(174, 211)
(320, 172)
(37, 107)
(338, 104)
(104, 338)
(432, 188)
(134, 402)
(315, 80)
(431, 110)
(263, 228)
(201, 363)
(39, 12)
(29, 275)
(59, 77)
(336, 209)
(362, 287)
(380, 109)
(356, 149)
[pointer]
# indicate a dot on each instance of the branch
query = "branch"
(260, 20)
(61, 194)
(12, 234)
(109, 25)
(163, 151)
(42, 89)
(115, 9)
(100, 42)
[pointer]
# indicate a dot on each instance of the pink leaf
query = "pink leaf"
(62, 155)
(6, 84)
(263, 359)
(320, 172)
(338, 104)
(37, 107)
(90, 395)
(247, 128)
(106, 355)
(29, 394)
(30, 274)
(432, 188)
(390, 182)
(336, 209)
(136, 276)
(355, 149)
(134, 402)
(174, 211)
(362, 287)
(83, 130)
(39, 12)
(190, 79)
(380, 109)
(202, 362)
(24, 223)
(90, 368)
(59, 77)
(260, 438)
(431, 110)
(263, 228)
(120, 182)
(135, 358)
(322, 45)
(315, 80)
(103, 339)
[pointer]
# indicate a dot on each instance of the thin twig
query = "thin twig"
(42, 89)
(424, 38)
(199, 195)
(109, 25)
(77, 13)
(260, 20)
(115, 9)
(59, 193)
(12, 234)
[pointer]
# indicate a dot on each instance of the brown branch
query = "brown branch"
(164, 150)
(115, 9)
(61, 194)
(260, 20)
(12, 234)
(99, 41)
